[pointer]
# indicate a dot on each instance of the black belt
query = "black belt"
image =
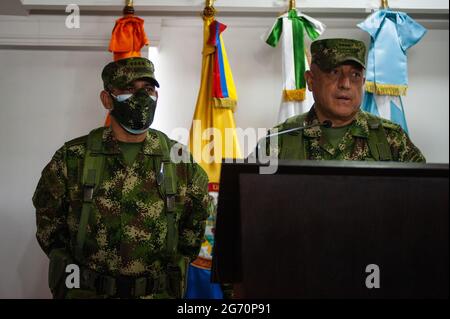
(122, 286)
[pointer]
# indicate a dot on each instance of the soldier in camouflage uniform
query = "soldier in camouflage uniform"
(133, 222)
(336, 79)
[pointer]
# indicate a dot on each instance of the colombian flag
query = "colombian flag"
(213, 124)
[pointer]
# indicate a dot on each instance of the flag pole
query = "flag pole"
(209, 11)
(292, 4)
(129, 7)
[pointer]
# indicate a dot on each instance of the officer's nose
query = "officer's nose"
(344, 82)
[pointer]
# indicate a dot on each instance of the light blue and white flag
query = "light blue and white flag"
(386, 106)
(392, 34)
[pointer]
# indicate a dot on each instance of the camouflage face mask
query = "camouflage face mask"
(135, 113)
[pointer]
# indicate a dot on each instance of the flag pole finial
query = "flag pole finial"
(209, 11)
(129, 7)
(292, 4)
(384, 4)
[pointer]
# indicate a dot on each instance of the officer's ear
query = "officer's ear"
(106, 100)
(309, 79)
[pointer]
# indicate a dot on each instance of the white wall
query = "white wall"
(257, 72)
(48, 97)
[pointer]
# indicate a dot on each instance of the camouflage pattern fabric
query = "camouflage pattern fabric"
(353, 146)
(126, 233)
(330, 53)
(121, 73)
(137, 112)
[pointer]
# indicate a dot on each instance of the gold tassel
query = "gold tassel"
(386, 89)
(294, 95)
(225, 103)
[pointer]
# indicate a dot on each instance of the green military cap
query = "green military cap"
(121, 73)
(329, 53)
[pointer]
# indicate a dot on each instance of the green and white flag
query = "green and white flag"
(290, 28)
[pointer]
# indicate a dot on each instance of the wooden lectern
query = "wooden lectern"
(333, 230)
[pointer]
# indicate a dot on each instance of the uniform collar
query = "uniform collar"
(152, 146)
(359, 126)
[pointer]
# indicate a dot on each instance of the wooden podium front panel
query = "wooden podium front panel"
(312, 236)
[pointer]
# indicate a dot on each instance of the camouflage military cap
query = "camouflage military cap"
(329, 53)
(121, 73)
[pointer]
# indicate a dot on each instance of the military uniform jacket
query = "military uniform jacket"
(126, 232)
(354, 146)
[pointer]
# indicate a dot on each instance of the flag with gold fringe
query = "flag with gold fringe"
(213, 119)
(212, 138)
(392, 33)
(290, 29)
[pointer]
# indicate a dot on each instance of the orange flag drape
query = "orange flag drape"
(128, 38)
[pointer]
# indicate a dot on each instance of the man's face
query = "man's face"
(338, 92)
(107, 99)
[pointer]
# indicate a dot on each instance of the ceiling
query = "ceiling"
(438, 8)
